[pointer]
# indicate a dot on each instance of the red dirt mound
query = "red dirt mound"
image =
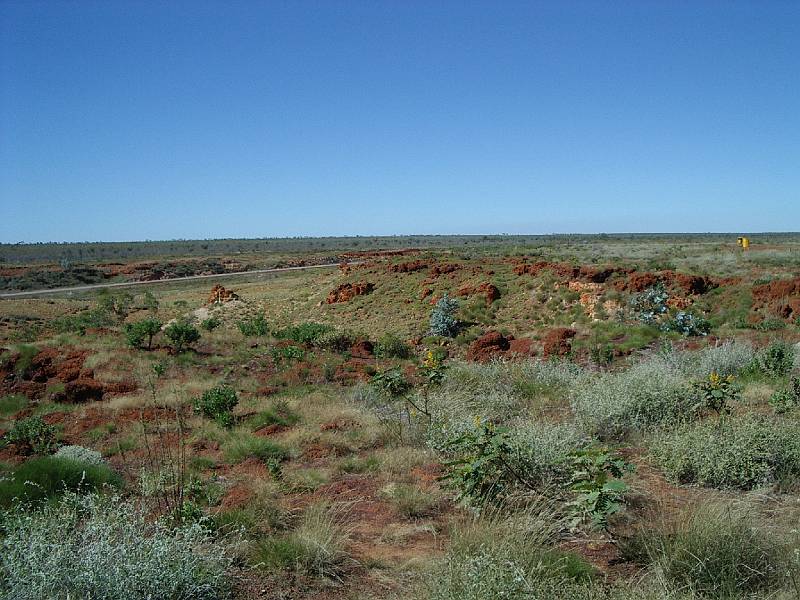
(780, 297)
(490, 344)
(362, 349)
(408, 267)
(442, 269)
(348, 291)
(219, 295)
(521, 347)
(489, 290)
(637, 282)
(558, 342)
(82, 390)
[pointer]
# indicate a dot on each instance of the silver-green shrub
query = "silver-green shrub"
(649, 394)
(81, 455)
(102, 548)
(728, 358)
(743, 454)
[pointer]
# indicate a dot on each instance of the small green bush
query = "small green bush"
(304, 333)
(32, 434)
(41, 478)
(254, 326)
(743, 454)
(687, 324)
(776, 360)
(181, 335)
(392, 346)
(286, 353)
(391, 382)
(136, 333)
(336, 340)
(210, 324)
(218, 404)
(107, 548)
(787, 399)
(94, 318)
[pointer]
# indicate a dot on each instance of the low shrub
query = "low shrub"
(106, 547)
(218, 404)
(94, 318)
(304, 333)
(210, 324)
(280, 354)
(392, 346)
(788, 398)
(45, 477)
(728, 358)
(649, 394)
(254, 326)
(687, 324)
(487, 463)
(336, 340)
(776, 360)
(32, 434)
(649, 305)
(743, 453)
(80, 454)
(391, 382)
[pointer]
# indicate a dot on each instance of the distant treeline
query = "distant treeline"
(91, 252)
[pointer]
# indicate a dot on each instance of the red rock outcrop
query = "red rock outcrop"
(490, 344)
(347, 291)
(489, 291)
(219, 295)
(558, 342)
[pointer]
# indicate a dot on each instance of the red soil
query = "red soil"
(347, 291)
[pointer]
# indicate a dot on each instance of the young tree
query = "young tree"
(443, 320)
(181, 334)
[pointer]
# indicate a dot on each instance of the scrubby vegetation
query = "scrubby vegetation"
(568, 428)
(98, 547)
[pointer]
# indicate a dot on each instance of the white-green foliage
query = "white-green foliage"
(728, 358)
(501, 391)
(81, 455)
(650, 393)
(443, 317)
(542, 450)
(497, 390)
(102, 548)
(743, 454)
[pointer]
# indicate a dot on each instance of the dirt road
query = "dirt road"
(98, 286)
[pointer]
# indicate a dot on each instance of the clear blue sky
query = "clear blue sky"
(151, 120)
